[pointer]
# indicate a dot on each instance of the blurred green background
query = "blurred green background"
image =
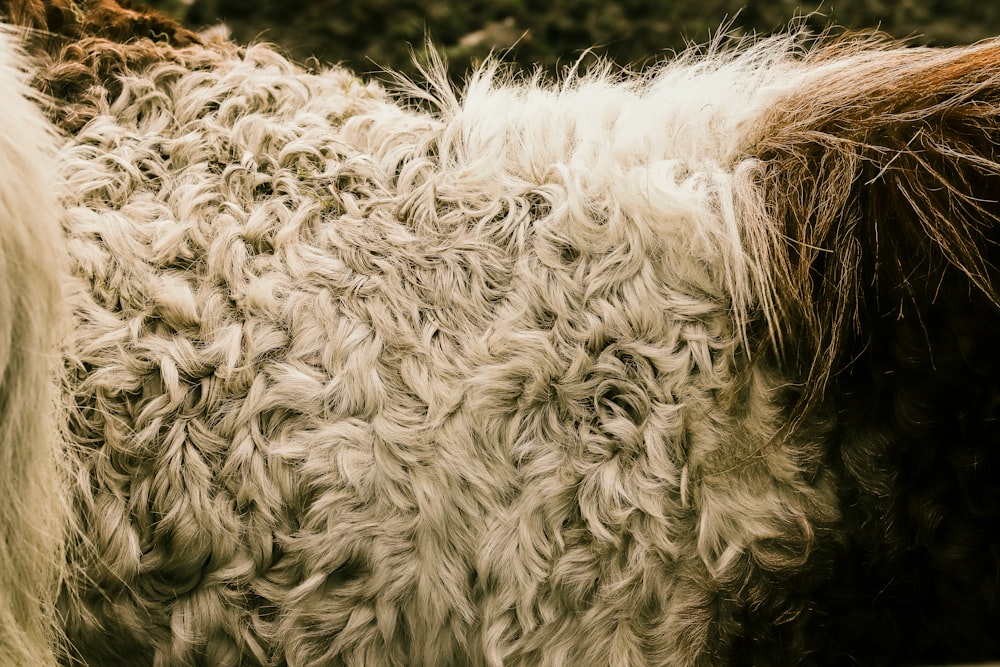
(367, 35)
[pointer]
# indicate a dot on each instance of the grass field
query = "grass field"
(373, 34)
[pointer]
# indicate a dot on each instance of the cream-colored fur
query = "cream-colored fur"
(356, 383)
(31, 320)
(618, 370)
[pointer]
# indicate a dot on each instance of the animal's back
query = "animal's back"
(620, 370)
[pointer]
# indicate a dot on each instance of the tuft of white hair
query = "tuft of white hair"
(656, 159)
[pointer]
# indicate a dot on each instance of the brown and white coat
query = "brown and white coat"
(694, 367)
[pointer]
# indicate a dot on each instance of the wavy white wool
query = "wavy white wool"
(31, 318)
(355, 383)
(652, 159)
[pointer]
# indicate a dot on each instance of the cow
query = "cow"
(691, 366)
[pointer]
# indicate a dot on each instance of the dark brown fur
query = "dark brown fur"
(118, 21)
(885, 176)
(85, 45)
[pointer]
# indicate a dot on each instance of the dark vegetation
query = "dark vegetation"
(372, 34)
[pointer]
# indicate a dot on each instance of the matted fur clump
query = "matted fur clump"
(690, 368)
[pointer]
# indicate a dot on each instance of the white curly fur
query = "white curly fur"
(362, 384)
(31, 316)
